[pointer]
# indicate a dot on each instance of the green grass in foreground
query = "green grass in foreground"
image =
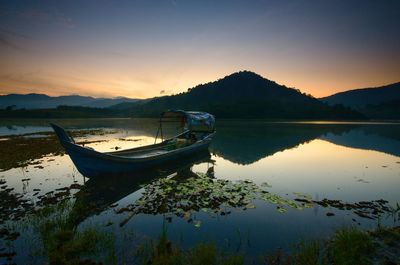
(346, 246)
(59, 241)
(351, 246)
(163, 252)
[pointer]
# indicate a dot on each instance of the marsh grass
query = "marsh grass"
(347, 246)
(163, 252)
(205, 253)
(61, 242)
(23, 150)
(304, 253)
(350, 246)
(310, 253)
(390, 237)
(19, 151)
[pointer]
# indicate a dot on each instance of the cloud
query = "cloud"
(47, 16)
(53, 16)
(63, 20)
(10, 39)
(13, 34)
(59, 84)
(165, 91)
(4, 42)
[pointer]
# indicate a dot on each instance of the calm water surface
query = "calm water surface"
(351, 162)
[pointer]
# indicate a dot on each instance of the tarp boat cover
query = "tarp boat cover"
(194, 121)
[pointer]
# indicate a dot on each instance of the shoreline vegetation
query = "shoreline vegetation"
(29, 148)
(66, 112)
(346, 246)
(75, 112)
(60, 241)
(62, 112)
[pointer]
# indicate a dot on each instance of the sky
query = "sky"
(146, 48)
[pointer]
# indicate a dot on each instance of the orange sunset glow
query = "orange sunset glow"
(143, 50)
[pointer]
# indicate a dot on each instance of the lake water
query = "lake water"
(307, 161)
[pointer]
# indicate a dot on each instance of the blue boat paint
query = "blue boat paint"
(91, 163)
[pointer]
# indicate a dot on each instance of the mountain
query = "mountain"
(243, 95)
(386, 110)
(360, 98)
(41, 101)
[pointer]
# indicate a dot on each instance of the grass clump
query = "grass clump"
(19, 151)
(309, 253)
(23, 150)
(203, 254)
(233, 260)
(304, 253)
(165, 253)
(351, 246)
(390, 237)
(347, 246)
(61, 242)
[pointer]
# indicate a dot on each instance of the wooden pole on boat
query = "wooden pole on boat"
(162, 136)
(158, 130)
(155, 140)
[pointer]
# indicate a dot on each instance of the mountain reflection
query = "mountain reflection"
(384, 139)
(247, 142)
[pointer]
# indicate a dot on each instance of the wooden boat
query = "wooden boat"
(198, 130)
(98, 194)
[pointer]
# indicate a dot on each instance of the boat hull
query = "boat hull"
(91, 163)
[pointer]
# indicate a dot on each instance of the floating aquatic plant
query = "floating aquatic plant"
(27, 148)
(185, 196)
(364, 209)
(15, 206)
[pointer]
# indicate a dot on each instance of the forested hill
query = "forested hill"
(360, 98)
(243, 95)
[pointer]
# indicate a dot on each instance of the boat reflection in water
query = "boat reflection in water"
(99, 194)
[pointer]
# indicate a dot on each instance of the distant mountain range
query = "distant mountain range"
(360, 98)
(240, 95)
(243, 95)
(376, 102)
(41, 101)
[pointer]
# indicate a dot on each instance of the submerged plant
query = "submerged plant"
(183, 197)
(164, 252)
(62, 242)
(310, 253)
